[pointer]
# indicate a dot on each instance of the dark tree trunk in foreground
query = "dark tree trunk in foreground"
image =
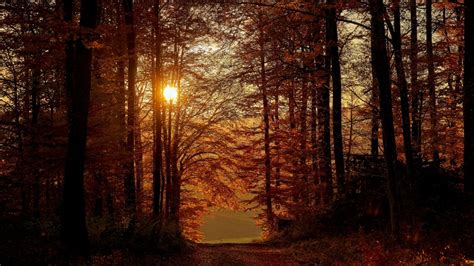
(324, 137)
(139, 168)
(303, 136)
(169, 184)
(277, 141)
(375, 118)
(431, 85)
(469, 97)
(403, 88)
(415, 90)
(158, 160)
(35, 111)
(266, 122)
(333, 52)
(380, 63)
(130, 196)
(74, 231)
(314, 134)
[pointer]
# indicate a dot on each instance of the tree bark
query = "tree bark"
(139, 168)
(380, 63)
(74, 231)
(415, 90)
(130, 195)
(469, 97)
(158, 160)
(375, 118)
(266, 122)
(431, 84)
(277, 140)
(324, 134)
(403, 88)
(35, 110)
(303, 135)
(314, 134)
(333, 52)
(169, 184)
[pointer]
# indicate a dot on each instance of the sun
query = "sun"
(170, 93)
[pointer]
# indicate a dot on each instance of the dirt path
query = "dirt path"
(236, 254)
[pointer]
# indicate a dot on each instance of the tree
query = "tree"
(415, 90)
(402, 86)
(469, 97)
(157, 99)
(74, 231)
(333, 53)
(431, 85)
(324, 136)
(266, 121)
(380, 64)
(131, 114)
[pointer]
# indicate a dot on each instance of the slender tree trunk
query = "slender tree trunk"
(174, 162)
(415, 90)
(121, 122)
(130, 195)
(277, 140)
(431, 84)
(469, 97)
(403, 88)
(324, 136)
(266, 122)
(333, 52)
(35, 110)
(139, 167)
(158, 160)
(380, 63)
(69, 51)
(314, 134)
(375, 118)
(169, 184)
(74, 231)
(351, 129)
(303, 135)
(291, 105)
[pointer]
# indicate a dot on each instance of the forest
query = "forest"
(347, 126)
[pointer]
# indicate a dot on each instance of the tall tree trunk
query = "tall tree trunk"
(277, 140)
(469, 97)
(266, 122)
(314, 134)
(303, 134)
(174, 159)
(380, 63)
(74, 231)
(403, 88)
(69, 51)
(415, 90)
(324, 135)
(431, 84)
(375, 118)
(35, 110)
(176, 186)
(174, 162)
(139, 167)
(158, 160)
(333, 52)
(291, 105)
(169, 184)
(351, 129)
(130, 196)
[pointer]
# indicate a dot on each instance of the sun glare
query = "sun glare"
(170, 93)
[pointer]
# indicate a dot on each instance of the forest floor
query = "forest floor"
(212, 254)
